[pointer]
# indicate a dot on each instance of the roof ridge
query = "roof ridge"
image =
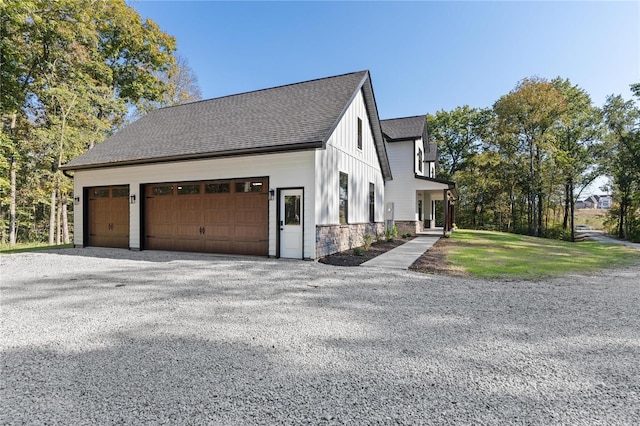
(261, 90)
(403, 118)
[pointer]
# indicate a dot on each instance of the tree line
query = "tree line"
(71, 73)
(521, 164)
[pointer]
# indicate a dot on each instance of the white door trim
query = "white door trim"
(291, 223)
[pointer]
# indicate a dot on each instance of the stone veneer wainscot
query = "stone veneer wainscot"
(335, 238)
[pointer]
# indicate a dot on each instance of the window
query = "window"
(120, 192)
(163, 190)
(344, 198)
(372, 203)
(420, 160)
(249, 186)
(359, 133)
(101, 193)
(292, 210)
(217, 188)
(189, 189)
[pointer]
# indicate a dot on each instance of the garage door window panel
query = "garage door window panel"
(100, 193)
(161, 190)
(249, 186)
(188, 189)
(120, 192)
(217, 188)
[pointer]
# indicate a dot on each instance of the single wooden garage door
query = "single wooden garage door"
(108, 216)
(228, 216)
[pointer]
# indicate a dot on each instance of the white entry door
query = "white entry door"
(291, 218)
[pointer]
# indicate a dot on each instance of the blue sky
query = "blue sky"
(423, 56)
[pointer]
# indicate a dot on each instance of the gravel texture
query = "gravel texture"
(102, 336)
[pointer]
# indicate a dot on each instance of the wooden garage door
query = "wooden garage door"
(108, 216)
(228, 216)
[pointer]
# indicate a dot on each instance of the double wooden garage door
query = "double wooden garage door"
(228, 216)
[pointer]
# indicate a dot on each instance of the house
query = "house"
(591, 202)
(604, 202)
(296, 171)
(412, 194)
(595, 202)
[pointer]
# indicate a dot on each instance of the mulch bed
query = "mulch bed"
(348, 258)
(431, 262)
(435, 261)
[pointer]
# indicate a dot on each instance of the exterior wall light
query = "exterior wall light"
(272, 194)
(76, 200)
(132, 199)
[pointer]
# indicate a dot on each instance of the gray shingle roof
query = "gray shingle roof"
(408, 128)
(295, 116)
(404, 128)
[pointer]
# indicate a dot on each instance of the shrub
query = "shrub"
(358, 251)
(406, 235)
(389, 235)
(368, 239)
(395, 231)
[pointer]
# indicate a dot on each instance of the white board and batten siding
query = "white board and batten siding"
(402, 190)
(282, 169)
(362, 166)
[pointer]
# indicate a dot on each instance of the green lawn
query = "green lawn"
(488, 254)
(26, 247)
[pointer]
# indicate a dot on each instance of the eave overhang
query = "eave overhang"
(200, 156)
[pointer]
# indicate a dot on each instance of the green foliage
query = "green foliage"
(394, 232)
(458, 134)
(389, 235)
(406, 235)
(358, 251)
(368, 240)
(622, 119)
(520, 165)
(71, 69)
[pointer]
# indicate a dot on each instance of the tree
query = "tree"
(576, 134)
(70, 71)
(527, 114)
(182, 87)
(458, 135)
(622, 119)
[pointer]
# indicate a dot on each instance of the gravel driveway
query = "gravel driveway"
(102, 336)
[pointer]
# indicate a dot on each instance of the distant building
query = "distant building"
(595, 202)
(604, 202)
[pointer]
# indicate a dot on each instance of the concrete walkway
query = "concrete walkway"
(402, 256)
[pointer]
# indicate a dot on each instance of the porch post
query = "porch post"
(445, 204)
(453, 214)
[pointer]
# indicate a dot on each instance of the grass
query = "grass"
(486, 254)
(28, 247)
(591, 217)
